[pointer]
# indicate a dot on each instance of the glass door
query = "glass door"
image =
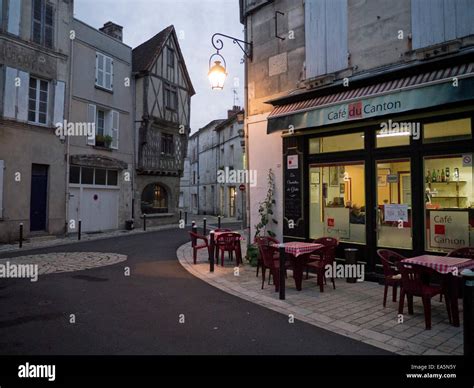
(394, 215)
(337, 201)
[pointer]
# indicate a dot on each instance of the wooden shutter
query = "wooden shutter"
(23, 89)
(59, 95)
(91, 114)
(315, 33)
(336, 35)
(2, 167)
(10, 97)
(115, 129)
(14, 17)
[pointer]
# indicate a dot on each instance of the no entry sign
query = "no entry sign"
(242, 187)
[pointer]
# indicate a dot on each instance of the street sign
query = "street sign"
(242, 187)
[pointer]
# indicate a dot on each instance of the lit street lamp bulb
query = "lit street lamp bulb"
(217, 75)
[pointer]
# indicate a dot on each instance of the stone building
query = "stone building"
(34, 88)
(101, 166)
(163, 93)
(363, 109)
(215, 155)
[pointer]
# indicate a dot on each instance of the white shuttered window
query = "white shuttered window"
(326, 36)
(437, 21)
(104, 71)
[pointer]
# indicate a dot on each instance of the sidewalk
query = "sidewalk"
(72, 238)
(353, 310)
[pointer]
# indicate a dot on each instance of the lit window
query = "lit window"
(154, 199)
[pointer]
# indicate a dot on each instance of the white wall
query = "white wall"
(265, 152)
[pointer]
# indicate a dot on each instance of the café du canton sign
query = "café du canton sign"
(395, 102)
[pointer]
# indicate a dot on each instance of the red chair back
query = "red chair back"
(389, 261)
(266, 253)
(267, 240)
(465, 252)
(228, 241)
(414, 277)
(329, 251)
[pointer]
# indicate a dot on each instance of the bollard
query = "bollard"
(180, 215)
(468, 305)
(194, 227)
(211, 251)
(204, 227)
(185, 218)
(281, 248)
(79, 229)
(144, 222)
(21, 234)
(218, 222)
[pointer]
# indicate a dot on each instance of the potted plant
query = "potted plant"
(108, 140)
(99, 140)
(265, 209)
(252, 254)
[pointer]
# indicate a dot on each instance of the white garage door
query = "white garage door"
(96, 207)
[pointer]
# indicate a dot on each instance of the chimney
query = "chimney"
(235, 109)
(113, 30)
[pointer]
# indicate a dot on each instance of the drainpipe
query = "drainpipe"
(246, 134)
(69, 109)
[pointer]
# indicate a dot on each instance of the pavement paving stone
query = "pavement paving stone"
(353, 310)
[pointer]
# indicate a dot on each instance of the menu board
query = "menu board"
(293, 188)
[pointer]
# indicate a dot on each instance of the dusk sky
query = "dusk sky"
(195, 22)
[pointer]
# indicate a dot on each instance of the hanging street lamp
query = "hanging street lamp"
(218, 70)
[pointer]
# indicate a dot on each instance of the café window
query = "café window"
(337, 201)
(444, 131)
(449, 202)
(348, 142)
(394, 204)
(396, 134)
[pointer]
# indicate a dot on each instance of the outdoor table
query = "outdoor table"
(298, 252)
(450, 268)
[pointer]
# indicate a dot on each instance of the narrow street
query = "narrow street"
(139, 314)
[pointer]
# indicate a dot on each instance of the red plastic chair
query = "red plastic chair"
(267, 240)
(268, 253)
(415, 282)
(229, 242)
(329, 254)
(194, 243)
(465, 253)
(393, 278)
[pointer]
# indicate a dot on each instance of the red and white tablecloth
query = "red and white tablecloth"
(297, 248)
(442, 264)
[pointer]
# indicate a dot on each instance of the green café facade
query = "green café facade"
(383, 163)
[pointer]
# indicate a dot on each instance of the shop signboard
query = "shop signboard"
(449, 229)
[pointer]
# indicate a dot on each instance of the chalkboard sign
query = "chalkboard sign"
(293, 187)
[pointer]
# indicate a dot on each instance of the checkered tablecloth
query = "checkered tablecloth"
(297, 248)
(442, 264)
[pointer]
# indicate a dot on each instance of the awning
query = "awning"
(423, 90)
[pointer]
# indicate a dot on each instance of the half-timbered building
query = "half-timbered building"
(163, 91)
